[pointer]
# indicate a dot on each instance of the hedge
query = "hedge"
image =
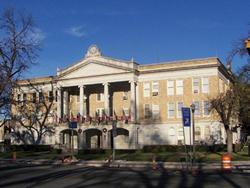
(106, 151)
(181, 148)
(34, 148)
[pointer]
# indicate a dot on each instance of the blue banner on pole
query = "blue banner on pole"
(73, 125)
(186, 117)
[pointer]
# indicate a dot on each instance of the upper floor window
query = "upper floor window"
(205, 85)
(146, 89)
(51, 97)
(206, 108)
(171, 110)
(179, 107)
(147, 111)
(156, 111)
(196, 85)
(24, 98)
(155, 88)
(179, 87)
(170, 86)
(33, 97)
(221, 87)
(197, 111)
(125, 95)
(99, 97)
(18, 98)
(100, 112)
(41, 97)
(125, 112)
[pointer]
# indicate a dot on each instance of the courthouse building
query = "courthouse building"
(144, 99)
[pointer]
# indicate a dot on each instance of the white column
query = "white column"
(137, 103)
(66, 102)
(81, 98)
(106, 98)
(132, 101)
(59, 103)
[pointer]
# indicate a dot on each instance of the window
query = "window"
(125, 95)
(221, 88)
(179, 87)
(147, 111)
(180, 132)
(171, 131)
(205, 85)
(180, 136)
(156, 111)
(24, 98)
(99, 97)
(33, 97)
(170, 86)
(207, 133)
(196, 85)
(197, 108)
(197, 133)
(51, 97)
(171, 110)
(125, 112)
(155, 88)
(206, 108)
(18, 99)
(179, 107)
(146, 89)
(41, 98)
(56, 95)
(100, 112)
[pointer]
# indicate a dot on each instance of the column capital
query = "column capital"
(132, 81)
(81, 86)
(106, 83)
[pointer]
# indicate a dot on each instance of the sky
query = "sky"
(150, 31)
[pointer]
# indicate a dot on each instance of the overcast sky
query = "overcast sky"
(149, 31)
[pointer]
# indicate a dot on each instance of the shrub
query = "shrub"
(181, 148)
(34, 148)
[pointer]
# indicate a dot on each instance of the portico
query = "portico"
(109, 99)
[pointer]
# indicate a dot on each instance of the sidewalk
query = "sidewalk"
(240, 166)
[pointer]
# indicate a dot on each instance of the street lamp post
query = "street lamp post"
(192, 106)
(114, 133)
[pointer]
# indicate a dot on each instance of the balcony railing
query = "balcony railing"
(104, 120)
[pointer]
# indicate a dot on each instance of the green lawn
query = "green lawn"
(137, 156)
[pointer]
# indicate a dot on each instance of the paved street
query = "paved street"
(77, 176)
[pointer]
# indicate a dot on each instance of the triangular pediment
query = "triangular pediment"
(88, 69)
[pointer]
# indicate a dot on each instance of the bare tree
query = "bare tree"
(227, 107)
(233, 104)
(34, 117)
(238, 49)
(18, 50)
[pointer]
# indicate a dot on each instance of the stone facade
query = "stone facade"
(145, 100)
